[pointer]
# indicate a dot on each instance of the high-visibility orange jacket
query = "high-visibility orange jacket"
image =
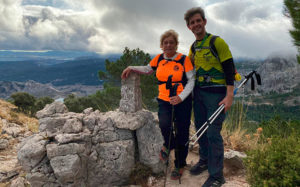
(176, 67)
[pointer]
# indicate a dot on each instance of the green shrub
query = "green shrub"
(42, 102)
(106, 100)
(279, 127)
(277, 164)
(24, 101)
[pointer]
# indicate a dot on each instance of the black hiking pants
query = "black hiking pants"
(182, 116)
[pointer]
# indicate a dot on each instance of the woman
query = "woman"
(179, 66)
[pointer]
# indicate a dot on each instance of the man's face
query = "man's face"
(197, 24)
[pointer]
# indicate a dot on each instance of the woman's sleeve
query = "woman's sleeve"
(190, 75)
(142, 69)
(189, 86)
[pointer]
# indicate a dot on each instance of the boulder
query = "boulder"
(68, 169)
(18, 182)
(3, 144)
(150, 141)
(32, 152)
(11, 129)
(50, 109)
(234, 159)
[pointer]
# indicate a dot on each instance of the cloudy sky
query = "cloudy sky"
(252, 28)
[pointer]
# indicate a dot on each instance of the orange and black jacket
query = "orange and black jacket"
(176, 67)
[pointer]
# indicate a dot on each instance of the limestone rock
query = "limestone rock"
(3, 144)
(88, 111)
(11, 128)
(130, 121)
(69, 138)
(50, 109)
(116, 159)
(18, 182)
(234, 159)
(67, 169)
(36, 179)
(131, 98)
(73, 125)
(54, 150)
(52, 125)
(150, 141)
(32, 152)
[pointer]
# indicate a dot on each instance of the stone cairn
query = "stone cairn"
(92, 148)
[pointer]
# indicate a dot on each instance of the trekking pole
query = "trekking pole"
(173, 92)
(212, 118)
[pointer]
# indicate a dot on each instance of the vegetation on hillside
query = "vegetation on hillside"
(28, 104)
(109, 97)
(272, 147)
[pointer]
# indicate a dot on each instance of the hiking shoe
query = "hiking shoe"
(177, 173)
(198, 168)
(213, 182)
(164, 154)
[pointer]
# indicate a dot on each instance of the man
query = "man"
(214, 87)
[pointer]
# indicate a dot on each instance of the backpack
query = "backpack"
(214, 52)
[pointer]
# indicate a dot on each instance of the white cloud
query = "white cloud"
(252, 28)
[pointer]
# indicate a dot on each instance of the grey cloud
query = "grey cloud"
(250, 26)
(49, 28)
(142, 22)
(240, 12)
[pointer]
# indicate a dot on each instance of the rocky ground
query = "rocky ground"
(234, 178)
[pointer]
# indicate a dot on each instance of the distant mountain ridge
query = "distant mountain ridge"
(42, 90)
(6, 55)
(82, 71)
(34, 88)
(50, 56)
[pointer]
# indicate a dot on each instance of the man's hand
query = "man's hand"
(227, 101)
(175, 100)
(126, 73)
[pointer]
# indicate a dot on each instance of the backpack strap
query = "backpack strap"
(160, 58)
(213, 47)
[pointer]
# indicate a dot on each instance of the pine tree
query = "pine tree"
(292, 10)
(135, 57)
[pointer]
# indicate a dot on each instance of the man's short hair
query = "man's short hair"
(191, 12)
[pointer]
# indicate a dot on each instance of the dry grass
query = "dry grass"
(9, 112)
(234, 139)
(234, 134)
(6, 184)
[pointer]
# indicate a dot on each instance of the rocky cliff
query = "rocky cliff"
(279, 74)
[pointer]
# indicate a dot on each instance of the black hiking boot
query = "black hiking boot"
(213, 182)
(199, 167)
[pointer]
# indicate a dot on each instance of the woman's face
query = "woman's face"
(169, 46)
